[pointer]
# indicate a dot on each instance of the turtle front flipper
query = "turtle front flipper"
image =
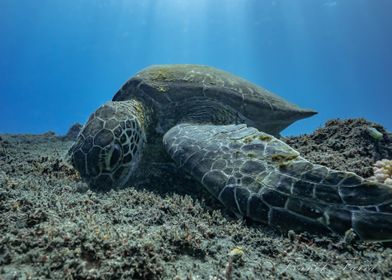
(258, 176)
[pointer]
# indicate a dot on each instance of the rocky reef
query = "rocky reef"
(349, 145)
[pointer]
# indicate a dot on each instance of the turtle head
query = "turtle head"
(109, 147)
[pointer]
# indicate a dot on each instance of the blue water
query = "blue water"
(62, 59)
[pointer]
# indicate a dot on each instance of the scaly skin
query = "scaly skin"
(109, 147)
(258, 176)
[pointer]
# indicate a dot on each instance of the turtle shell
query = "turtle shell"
(164, 85)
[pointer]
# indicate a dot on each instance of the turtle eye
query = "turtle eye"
(115, 155)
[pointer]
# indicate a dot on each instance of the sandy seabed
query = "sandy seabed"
(53, 227)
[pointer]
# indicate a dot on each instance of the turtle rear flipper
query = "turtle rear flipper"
(258, 176)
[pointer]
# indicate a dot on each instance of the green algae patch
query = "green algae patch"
(265, 138)
(248, 139)
(251, 155)
(162, 89)
(140, 113)
(162, 75)
(283, 160)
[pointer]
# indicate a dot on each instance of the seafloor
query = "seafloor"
(53, 227)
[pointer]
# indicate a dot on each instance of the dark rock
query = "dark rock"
(49, 134)
(73, 132)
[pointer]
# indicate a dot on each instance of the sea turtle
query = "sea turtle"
(223, 131)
